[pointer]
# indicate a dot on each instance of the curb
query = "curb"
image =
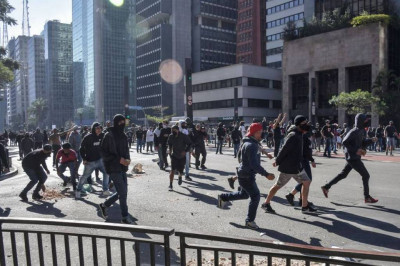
(12, 173)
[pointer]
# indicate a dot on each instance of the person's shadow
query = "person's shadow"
(5, 212)
(45, 208)
(369, 207)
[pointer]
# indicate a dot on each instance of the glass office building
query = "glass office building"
(102, 58)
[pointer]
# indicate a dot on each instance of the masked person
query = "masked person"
(355, 144)
(27, 144)
(289, 160)
(199, 136)
(165, 132)
(34, 165)
(116, 159)
(179, 144)
(248, 168)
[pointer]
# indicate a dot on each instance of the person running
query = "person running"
(307, 158)
(27, 144)
(179, 144)
(199, 136)
(34, 165)
(221, 137)
(38, 139)
(290, 165)
(390, 133)
(91, 154)
(69, 160)
(248, 168)
(355, 144)
(184, 129)
(162, 144)
(116, 159)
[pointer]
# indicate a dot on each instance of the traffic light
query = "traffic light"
(128, 116)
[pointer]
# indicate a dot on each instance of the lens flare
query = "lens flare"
(117, 3)
(170, 71)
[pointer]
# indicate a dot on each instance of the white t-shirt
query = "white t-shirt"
(149, 136)
(243, 130)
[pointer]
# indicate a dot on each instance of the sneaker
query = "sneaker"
(170, 188)
(267, 208)
(203, 167)
(197, 167)
(103, 210)
(127, 220)
(23, 197)
(106, 193)
(370, 199)
(180, 180)
(37, 197)
(308, 209)
(187, 178)
(77, 194)
(252, 225)
(290, 198)
(325, 191)
(231, 182)
(221, 202)
(65, 183)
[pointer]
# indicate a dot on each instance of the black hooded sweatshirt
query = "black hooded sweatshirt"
(114, 147)
(290, 157)
(91, 145)
(356, 139)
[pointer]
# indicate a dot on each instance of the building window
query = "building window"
(359, 78)
(285, 20)
(274, 51)
(258, 103)
(217, 104)
(253, 82)
(327, 87)
(276, 104)
(299, 87)
(275, 64)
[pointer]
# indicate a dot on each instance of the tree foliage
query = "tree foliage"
(365, 19)
(37, 111)
(358, 102)
(158, 114)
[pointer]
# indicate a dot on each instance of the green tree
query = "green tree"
(37, 112)
(158, 114)
(358, 102)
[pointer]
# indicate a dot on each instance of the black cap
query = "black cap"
(66, 145)
(47, 147)
(298, 119)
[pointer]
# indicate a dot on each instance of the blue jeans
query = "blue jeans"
(236, 149)
(328, 143)
(187, 163)
(121, 185)
(249, 189)
(160, 157)
(380, 143)
(71, 166)
(219, 146)
(89, 168)
(35, 175)
(139, 145)
(307, 168)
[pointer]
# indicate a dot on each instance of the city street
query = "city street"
(343, 221)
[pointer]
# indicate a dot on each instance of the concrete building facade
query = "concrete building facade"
(58, 70)
(250, 30)
(317, 67)
(259, 93)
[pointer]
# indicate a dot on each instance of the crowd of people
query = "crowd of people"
(107, 150)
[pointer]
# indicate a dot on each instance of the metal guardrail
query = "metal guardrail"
(34, 243)
(305, 253)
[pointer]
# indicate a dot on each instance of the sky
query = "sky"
(40, 11)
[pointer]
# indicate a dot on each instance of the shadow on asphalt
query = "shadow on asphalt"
(223, 173)
(5, 212)
(374, 207)
(45, 208)
(199, 196)
(205, 186)
(200, 176)
(351, 232)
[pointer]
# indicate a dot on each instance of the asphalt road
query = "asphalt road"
(344, 220)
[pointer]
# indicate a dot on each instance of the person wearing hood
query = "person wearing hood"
(355, 144)
(38, 139)
(289, 160)
(75, 139)
(179, 144)
(162, 140)
(27, 144)
(139, 140)
(116, 159)
(183, 128)
(90, 151)
(199, 136)
(220, 136)
(34, 165)
(250, 166)
(236, 137)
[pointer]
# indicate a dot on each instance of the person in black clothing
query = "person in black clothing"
(355, 144)
(33, 165)
(4, 168)
(236, 139)
(390, 134)
(199, 135)
(162, 140)
(139, 140)
(327, 134)
(116, 158)
(129, 134)
(179, 144)
(278, 122)
(221, 136)
(379, 136)
(27, 144)
(290, 160)
(19, 138)
(45, 137)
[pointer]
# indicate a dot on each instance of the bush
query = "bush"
(366, 19)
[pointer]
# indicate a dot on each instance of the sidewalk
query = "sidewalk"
(370, 156)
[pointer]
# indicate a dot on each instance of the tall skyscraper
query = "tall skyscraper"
(58, 70)
(18, 89)
(103, 36)
(36, 69)
(251, 32)
(213, 33)
(164, 33)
